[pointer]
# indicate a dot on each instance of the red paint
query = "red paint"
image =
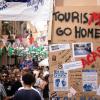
(84, 62)
(94, 17)
(91, 58)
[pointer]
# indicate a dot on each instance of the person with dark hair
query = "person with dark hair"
(35, 63)
(27, 92)
(3, 95)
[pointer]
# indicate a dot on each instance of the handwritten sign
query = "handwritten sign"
(76, 24)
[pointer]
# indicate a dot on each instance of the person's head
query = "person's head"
(28, 79)
(25, 71)
(12, 76)
(17, 77)
(4, 76)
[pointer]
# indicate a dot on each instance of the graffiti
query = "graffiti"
(95, 17)
(90, 58)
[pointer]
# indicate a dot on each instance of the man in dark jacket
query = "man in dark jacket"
(27, 92)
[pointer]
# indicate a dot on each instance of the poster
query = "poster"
(60, 80)
(89, 80)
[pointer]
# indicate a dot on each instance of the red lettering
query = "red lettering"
(84, 62)
(90, 58)
(94, 17)
(98, 49)
(95, 55)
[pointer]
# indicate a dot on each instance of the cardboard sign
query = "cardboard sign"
(72, 24)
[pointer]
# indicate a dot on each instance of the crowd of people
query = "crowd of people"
(22, 84)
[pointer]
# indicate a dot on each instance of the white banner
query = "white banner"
(24, 11)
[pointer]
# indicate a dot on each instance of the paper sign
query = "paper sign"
(60, 80)
(58, 47)
(72, 65)
(89, 80)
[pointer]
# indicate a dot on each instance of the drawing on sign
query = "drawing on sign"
(82, 49)
(60, 80)
(89, 80)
